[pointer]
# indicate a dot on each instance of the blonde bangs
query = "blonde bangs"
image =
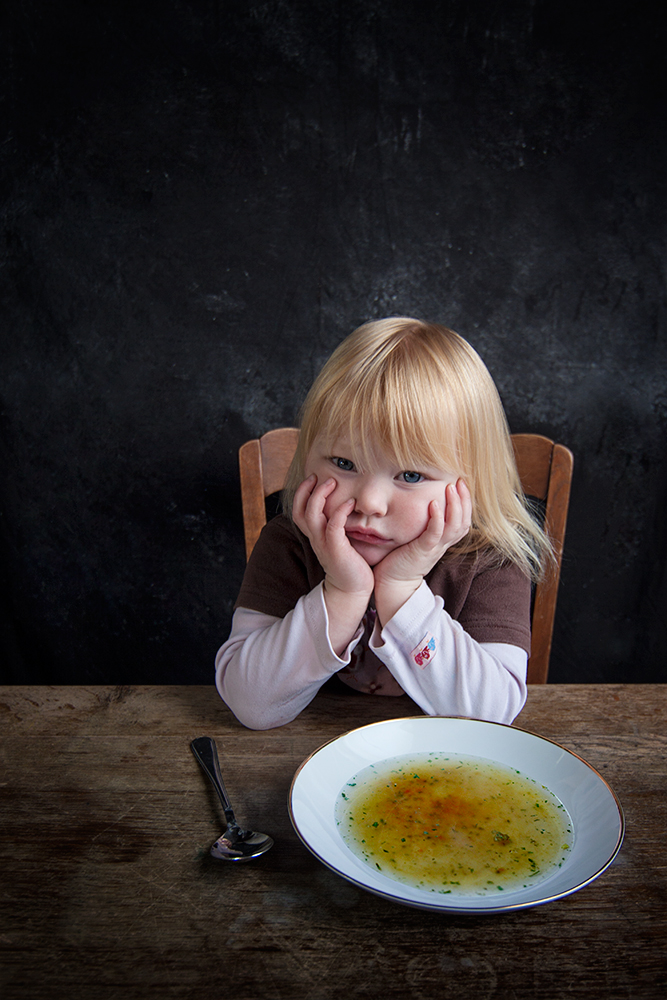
(384, 418)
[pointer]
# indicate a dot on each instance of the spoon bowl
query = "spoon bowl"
(234, 844)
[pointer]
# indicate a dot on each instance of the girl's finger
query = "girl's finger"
(454, 506)
(319, 496)
(459, 513)
(309, 501)
(436, 521)
(466, 503)
(309, 515)
(339, 517)
(302, 494)
(432, 533)
(455, 524)
(328, 487)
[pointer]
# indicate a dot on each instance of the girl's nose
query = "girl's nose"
(371, 499)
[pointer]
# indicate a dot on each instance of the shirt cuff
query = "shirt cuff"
(408, 626)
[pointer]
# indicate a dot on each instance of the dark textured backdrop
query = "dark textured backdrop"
(200, 199)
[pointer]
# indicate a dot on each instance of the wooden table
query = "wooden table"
(108, 890)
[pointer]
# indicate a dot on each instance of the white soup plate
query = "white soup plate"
(593, 807)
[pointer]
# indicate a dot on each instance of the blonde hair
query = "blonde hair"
(420, 394)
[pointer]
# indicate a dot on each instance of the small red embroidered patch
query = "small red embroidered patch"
(422, 653)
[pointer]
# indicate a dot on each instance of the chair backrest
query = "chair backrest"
(263, 465)
(545, 470)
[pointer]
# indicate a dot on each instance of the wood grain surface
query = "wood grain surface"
(108, 890)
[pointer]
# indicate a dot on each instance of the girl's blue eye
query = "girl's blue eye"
(411, 477)
(344, 464)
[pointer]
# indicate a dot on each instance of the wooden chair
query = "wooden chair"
(545, 470)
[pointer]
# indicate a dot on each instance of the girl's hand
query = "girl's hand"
(401, 571)
(345, 570)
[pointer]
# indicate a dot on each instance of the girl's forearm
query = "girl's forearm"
(390, 598)
(444, 670)
(344, 613)
(271, 668)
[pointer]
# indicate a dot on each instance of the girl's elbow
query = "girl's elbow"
(252, 715)
(260, 722)
(516, 699)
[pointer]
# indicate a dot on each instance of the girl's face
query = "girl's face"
(391, 503)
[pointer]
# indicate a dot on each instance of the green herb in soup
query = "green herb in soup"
(453, 824)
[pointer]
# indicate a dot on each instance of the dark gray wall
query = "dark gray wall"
(200, 199)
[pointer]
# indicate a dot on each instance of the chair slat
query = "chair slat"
(533, 460)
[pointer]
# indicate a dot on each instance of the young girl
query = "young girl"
(404, 558)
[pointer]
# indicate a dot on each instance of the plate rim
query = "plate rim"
(442, 905)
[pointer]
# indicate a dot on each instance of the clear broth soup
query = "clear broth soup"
(453, 824)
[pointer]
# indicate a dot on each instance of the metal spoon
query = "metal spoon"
(234, 844)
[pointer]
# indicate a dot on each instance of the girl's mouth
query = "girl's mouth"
(364, 535)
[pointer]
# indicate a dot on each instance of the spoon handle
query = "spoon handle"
(206, 752)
